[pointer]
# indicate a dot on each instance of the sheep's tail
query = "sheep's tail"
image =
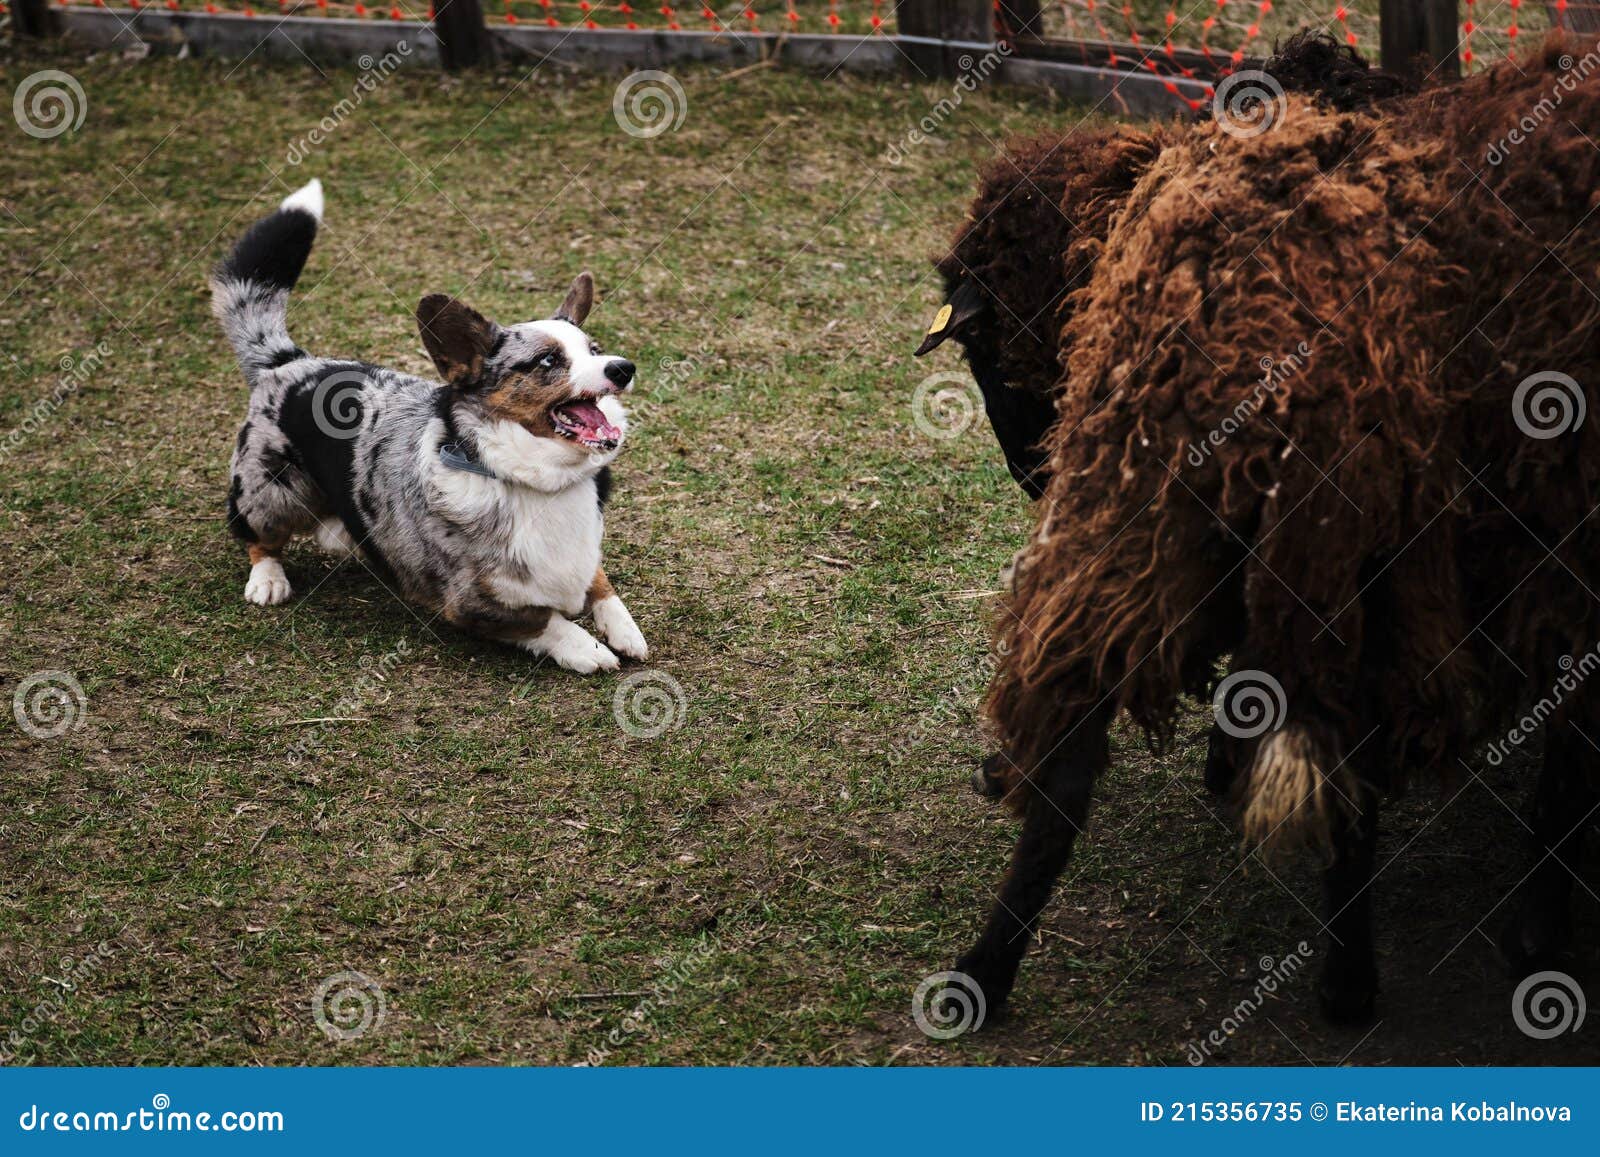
(1297, 793)
(250, 288)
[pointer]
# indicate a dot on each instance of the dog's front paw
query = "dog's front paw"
(572, 647)
(586, 657)
(616, 627)
(268, 585)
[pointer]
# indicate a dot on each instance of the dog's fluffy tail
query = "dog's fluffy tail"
(250, 288)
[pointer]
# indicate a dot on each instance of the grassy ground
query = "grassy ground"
(765, 882)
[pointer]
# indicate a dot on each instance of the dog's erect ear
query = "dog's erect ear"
(457, 336)
(966, 303)
(580, 300)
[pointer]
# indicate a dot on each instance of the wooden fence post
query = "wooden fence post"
(33, 18)
(463, 37)
(1020, 18)
(947, 19)
(1419, 37)
(964, 20)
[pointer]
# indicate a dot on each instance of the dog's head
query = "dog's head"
(541, 391)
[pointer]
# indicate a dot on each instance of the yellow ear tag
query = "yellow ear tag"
(940, 319)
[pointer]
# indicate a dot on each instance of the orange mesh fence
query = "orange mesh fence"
(823, 16)
(1225, 32)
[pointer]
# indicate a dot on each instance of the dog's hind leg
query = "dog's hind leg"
(332, 537)
(267, 585)
(269, 501)
(1565, 803)
(1055, 800)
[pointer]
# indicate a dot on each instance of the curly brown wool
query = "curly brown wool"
(1288, 431)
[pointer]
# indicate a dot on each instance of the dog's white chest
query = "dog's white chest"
(553, 549)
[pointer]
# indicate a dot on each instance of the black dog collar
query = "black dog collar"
(457, 456)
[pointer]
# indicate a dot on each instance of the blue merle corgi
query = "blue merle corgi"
(482, 494)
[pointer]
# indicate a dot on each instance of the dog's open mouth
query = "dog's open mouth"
(582, 422)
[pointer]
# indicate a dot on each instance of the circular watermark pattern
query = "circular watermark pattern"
(336, 404)
(1249, 703)
(649, 103)
(1248, 103)
(49, 103)
(947, 1004)
(649, 704)
(1548, 405)
(48, 704)
(160, 1101)
(348, 1005)
(946, 404)
(1547, 1004)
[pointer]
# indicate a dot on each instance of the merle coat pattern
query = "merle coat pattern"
(482, 494)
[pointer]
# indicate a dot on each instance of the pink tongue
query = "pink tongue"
(594, 423)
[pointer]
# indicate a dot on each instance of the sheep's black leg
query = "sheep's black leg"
(1541, 928)
(1349, 984)
(1056, 806)
(1219, 764)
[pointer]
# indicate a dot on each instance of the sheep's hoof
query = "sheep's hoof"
(1534, 939)
(994, 985)
(986, 780)
(1348, 993)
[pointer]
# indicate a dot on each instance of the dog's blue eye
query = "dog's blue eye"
(548, 361)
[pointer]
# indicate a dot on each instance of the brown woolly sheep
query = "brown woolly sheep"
(1038, 225)
(1034, 233)
(1390, 531)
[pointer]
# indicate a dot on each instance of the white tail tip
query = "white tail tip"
(307, 199)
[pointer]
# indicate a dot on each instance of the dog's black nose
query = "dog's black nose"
(620, 372)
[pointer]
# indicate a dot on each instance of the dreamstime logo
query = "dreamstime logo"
(373, 73)
(662, 994)
(675, 371)
(366, 688)
(1573, 674)
(1249, 703)
(1248, 103)
(1573, 74)
(1548, 405)
(1547, 1004)
(74, 373)
(948, 1004)
(971, 74)
(336, 404)
(348, 1005)
(74, 978)
(49, 103)
(1275, 974)
(1274, 373)
(48, 704)
(649, 704)
(945, 405)
(647, 104)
